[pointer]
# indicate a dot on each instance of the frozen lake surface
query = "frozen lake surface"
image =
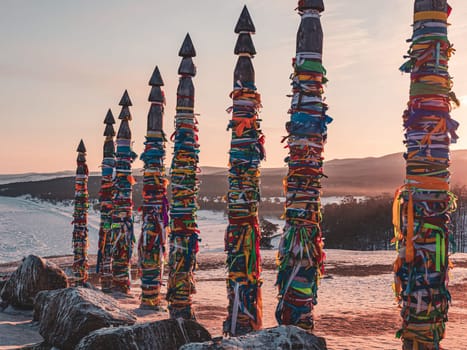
(30, 226)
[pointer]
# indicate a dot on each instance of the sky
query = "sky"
(64, 63)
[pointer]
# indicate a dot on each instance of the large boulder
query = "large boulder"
(2, 282)
(38, 346)
(160, 335)
(66, 316)
(32, 276)
(282, 337)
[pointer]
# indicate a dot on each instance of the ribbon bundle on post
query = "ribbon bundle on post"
(151, 246)
(243, 235)
(423, 205)
(301, 255)
(104, 253)
(184, 185)
(80, 219)
(122, 216)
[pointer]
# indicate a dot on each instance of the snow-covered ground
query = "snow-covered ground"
(28, 226)
(32, 226)
(356, 308)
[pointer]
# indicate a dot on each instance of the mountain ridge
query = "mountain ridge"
(369, 176)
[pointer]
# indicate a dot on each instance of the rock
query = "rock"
(161, 335)
(32, 276)
(2, 282)
(282, 337)
(16, 328)
(67, 315)
(38, 346)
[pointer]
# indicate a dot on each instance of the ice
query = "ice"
(36, 227)
(29, 225)
(32, 226)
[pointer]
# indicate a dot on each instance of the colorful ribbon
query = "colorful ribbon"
(184, 187)
(301, 255)
(104, 253)
(422, 207)
(80, 219)
(242, 237)
(151, 246)
(122, 215)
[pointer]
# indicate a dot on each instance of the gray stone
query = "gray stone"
(66, 316)
(2, 283)
(38, 346)
(16, 328)
(161, 335)
(31, 277)
(282, 337)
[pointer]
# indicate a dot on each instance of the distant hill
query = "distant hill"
(364, 176)
(357, 176)
(28, 177)
(375, 175)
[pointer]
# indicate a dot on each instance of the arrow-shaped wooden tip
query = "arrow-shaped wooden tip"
(156, 95)
(187, 49)
(245, 45)
(109, 130)
(109, 118)
(81, 148)
(245, 23)
(125, 113)
(156, 79)
(187, 67)
(125, 100)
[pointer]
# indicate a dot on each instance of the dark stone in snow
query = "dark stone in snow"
(32, 276)
(161, 335)
(66, 316)
(282, 337)
(38, 346)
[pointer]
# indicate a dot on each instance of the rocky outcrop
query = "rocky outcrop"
(160, 335)
(66, 316)
(282, 337)
(2, 283)
(38, 346)
(31, 277)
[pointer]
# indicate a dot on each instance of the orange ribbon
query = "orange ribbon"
(243, 123)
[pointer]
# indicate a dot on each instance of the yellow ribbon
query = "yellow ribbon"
(428, 15)
(409, 250)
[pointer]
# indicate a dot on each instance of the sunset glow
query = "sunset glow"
(68, 62)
